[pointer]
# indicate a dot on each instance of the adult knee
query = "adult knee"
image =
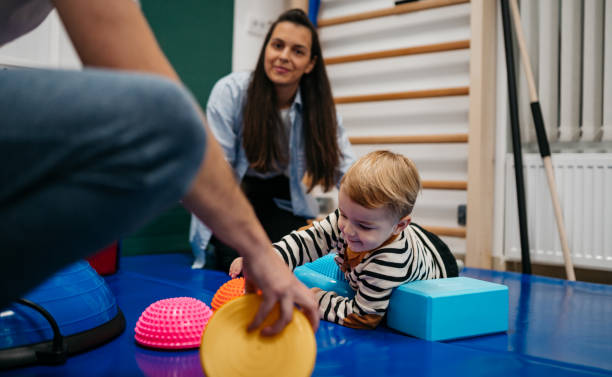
(174, 136)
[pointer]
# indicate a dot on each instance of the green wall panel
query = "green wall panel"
(196, 36)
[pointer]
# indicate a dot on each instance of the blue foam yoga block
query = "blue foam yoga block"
(450, 308)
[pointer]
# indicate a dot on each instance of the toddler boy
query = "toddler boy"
(377, 246)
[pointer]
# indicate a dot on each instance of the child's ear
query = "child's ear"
(402, 224)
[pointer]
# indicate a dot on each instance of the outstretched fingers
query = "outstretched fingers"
(285, 316)
(262, 313)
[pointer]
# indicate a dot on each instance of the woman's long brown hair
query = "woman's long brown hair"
(262, 123)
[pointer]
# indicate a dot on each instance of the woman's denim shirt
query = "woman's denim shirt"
(224, 113)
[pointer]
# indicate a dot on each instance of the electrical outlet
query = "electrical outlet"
(257, 25)
(461, 214)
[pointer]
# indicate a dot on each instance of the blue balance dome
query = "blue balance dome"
(71, 312)
(324, 273)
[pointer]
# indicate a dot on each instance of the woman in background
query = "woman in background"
(280, 132)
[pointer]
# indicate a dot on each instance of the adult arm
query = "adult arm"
(114, 34)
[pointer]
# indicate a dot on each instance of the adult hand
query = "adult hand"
(267, 272)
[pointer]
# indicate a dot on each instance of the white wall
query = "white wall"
(405, 73)
(251, 21)
(48, 46)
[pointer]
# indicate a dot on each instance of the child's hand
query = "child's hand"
(315, 289)
(235, 268)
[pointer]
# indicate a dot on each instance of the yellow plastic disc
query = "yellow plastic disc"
(227, 348)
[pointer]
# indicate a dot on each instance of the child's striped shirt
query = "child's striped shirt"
(414, 254)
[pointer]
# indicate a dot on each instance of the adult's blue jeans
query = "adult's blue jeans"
(86, 157)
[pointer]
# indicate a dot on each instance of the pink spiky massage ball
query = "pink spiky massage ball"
(173, 323)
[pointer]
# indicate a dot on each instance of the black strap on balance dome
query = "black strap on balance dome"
(57, 350)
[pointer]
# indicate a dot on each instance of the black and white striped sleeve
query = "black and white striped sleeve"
(306, 245)
(377, 276)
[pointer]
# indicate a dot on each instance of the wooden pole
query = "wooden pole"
(538, 120)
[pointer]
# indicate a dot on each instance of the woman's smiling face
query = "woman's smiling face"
(288, 55)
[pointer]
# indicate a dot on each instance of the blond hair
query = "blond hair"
(383, 179)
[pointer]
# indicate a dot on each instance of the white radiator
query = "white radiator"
(570, 47)
(584, 183)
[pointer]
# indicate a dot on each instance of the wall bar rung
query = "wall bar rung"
(428, 93)
(445, 185)
(399, 9)
(437, 47)
(410, 139)
(458, 232)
